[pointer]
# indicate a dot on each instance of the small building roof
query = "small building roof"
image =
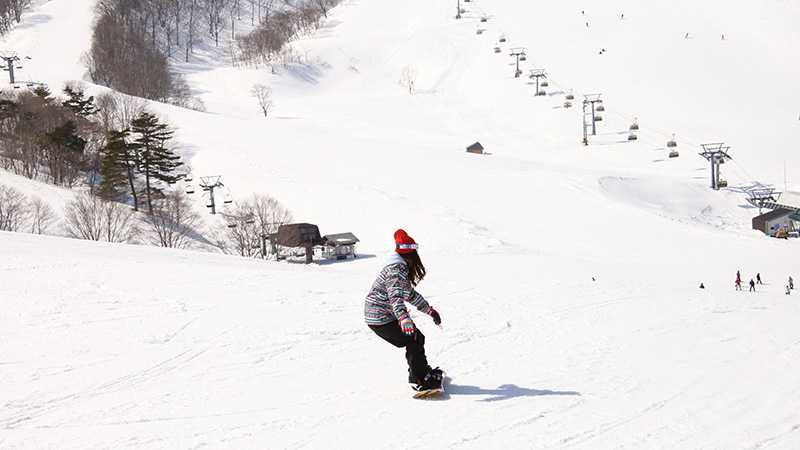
(297, 235)
(341, 238)
(774, 214)
(476, 146)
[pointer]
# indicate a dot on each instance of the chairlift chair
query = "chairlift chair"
(232, 225)
(674, 154)
(502, 39)
(497, 50)
(544, 84)
(722, 183)
(600, 108)
(632, 137)
(598, 118)
(541, 93)
(523, 58)
(484, 19)
(634, 126)
(672, 143)
(479, 31)
(570, 97)
(190, 191)
(567, 104)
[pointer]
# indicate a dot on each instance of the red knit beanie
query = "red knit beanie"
(405, 243)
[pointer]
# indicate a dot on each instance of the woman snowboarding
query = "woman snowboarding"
(386, 314)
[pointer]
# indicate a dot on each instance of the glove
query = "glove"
(437, 319)
(407, 325)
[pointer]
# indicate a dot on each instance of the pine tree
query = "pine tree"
(117, 168)
(78, 103)
(43, 92)
(155, 160)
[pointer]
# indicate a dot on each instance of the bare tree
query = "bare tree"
(408, 78)
(88, 217)
(253, 220)
(243, 234)
(13, 209)
(172, 222)
(263, 95)
(42, 216)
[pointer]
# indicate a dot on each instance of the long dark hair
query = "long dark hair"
(416, 270)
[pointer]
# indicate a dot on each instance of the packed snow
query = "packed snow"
(567, 276)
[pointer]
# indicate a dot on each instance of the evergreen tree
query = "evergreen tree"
(117, 168)
(43, 92)
(155, 160)
(78, 102)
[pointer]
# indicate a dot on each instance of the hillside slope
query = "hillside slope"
(567, 277)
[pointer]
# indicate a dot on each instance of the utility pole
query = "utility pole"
(458, 9)
(716, 153)
(209, 184)
(519, 53)
(538, 73)
(11, 61)
(590, 100)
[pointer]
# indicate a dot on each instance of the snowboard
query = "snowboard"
(431, 393)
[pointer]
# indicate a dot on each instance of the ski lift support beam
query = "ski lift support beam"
(715, 153)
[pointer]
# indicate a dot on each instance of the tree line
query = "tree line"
(11, 13)
(134, 40)
(123, 159)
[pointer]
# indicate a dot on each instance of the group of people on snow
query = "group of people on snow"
(757, 281)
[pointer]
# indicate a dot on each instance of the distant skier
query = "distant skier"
(622, 16)
(738, 281)
(687, 36)
(385, 310)
(788, 291)
(791, 283)
(758, 278)
(752, 285)
(702, 286)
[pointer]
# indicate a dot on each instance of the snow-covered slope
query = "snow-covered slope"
(142, 347)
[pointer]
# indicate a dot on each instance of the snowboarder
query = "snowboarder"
(788, 291)
(386, 314)
(752, 285)
(702, 286)
(791, 283)
(758, 278)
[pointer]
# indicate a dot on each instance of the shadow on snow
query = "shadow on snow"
(503, 392)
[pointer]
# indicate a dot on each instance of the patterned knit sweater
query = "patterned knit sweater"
(385, 302)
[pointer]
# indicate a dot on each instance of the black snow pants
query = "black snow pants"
(414, 345)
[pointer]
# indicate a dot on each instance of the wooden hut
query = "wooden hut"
(298, 235)
(476, 148)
